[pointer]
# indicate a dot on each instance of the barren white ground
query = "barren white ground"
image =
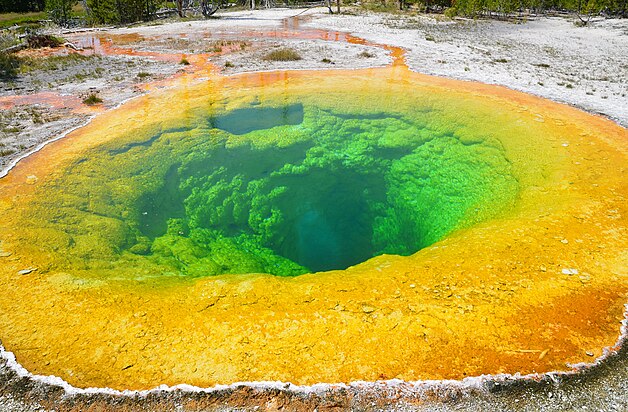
(549, 57)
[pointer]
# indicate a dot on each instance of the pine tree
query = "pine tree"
(60, 11)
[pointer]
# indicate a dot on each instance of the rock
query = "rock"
(5, 254)
(26, 271)
(368, 309)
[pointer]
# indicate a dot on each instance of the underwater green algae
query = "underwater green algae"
(276, 185)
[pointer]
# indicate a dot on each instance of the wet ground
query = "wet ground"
(601, 388)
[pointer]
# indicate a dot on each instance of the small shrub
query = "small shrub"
(366, 55)
(37, 41)
(6, 152)
(569, 86)
(184, 61)
(9, 65)
(282, 55)
(229, 64)
(500, 61)
(92, 99)
(326, 60)
(143, 75)
(37, 118)
(543, 65)
(429, 38)
(451, 12)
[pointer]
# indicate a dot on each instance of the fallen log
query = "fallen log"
(15, 49)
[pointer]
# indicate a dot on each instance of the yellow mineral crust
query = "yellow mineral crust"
(534, 291)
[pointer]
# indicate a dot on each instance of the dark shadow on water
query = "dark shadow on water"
(243, 121)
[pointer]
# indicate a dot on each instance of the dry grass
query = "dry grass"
(283, 55)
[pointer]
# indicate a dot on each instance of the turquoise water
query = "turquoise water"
(333, 198)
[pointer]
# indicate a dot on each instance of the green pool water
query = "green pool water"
(284, 186)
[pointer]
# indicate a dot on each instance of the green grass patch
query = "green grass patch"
(21, 19)
(31, 64)
(283, 55)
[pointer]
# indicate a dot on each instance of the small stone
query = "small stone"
(26, 271)
(413, 285)
(564, 241)
(565, 144)
(589, 353)
(542, 268)
(31, 180)
(368, 309)
(5, 254)
(569, 272)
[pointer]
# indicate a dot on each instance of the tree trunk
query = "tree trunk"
(328, 4)
(338, 6)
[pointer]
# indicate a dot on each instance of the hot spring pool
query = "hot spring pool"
(316, 227)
